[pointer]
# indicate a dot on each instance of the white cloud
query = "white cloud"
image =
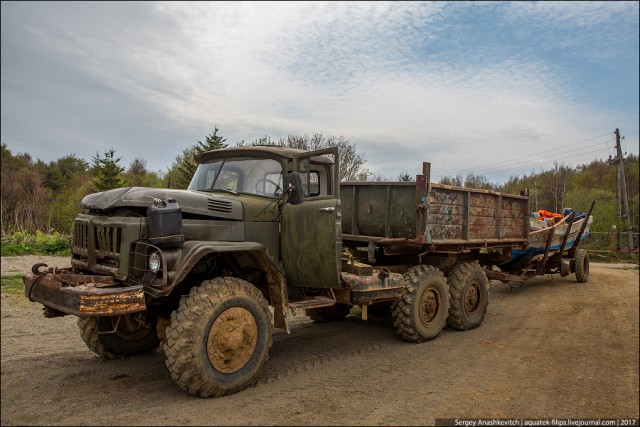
(370, 71)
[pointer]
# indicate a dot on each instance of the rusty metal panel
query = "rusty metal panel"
(482, 216)
(446, 214)
(422, 213)
(514, 219)
(366, 289)
(357, 268)
(86, 300)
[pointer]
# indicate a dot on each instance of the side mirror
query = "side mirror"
(294, 188)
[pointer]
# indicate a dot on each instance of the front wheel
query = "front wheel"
(421, 312)
(219, 337)
(126, 335)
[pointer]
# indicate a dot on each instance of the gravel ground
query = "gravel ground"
(552, 348)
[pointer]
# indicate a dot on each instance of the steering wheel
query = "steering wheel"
(262, 182)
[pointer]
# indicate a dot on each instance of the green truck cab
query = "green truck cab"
(210, 271)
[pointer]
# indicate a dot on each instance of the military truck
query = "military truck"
(263, 232)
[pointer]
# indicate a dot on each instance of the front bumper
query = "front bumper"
(82, 298)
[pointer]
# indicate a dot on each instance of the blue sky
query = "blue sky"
(494, 88)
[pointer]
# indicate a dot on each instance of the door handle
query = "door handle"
(329, 209)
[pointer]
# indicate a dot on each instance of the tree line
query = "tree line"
(563, 186)
(40, 196)
(45, 197)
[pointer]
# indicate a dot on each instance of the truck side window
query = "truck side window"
(310, 179)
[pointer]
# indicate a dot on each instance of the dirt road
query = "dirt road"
(553, 348)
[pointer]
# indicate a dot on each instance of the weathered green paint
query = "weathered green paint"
(105, 237)
(311, 244)
(379, 209)
(311, 233)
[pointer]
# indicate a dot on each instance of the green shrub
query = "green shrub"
(22, 243)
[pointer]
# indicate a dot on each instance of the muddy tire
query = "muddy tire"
(581, 262)
(421, 312)
(219, 337)
(134, 334)
(469, 296)
(328, 314)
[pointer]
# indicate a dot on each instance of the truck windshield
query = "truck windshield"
(262, 177)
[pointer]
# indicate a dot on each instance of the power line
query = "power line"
(527, 163)
(536, 154)
(537, 159)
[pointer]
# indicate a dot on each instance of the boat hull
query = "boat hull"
(538, 237)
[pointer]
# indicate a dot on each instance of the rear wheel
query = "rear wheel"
(219, 337)
(328, 314)
(581, 261)
(126, 335)
(421, 312)
(468, 288)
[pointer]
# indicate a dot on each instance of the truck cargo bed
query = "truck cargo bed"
(433, 217)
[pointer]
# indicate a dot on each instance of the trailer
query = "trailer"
(441, 238)
(552, 249)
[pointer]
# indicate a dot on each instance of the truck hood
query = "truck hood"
(190, 201)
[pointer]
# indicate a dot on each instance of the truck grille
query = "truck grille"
(107, 239)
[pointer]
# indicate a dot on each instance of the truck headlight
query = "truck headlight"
(155, 261)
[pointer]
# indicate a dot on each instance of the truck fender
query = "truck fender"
(194, 251)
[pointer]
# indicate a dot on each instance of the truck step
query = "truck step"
(315, 302)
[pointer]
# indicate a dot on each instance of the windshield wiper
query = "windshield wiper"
(218, 190)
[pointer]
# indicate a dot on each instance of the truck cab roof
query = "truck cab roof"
(259, 151)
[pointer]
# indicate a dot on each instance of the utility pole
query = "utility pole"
(623, 183)
(535, 186)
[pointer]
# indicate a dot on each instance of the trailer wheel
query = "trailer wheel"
(581, 262)
(421, 312)
(134, 334)
(219, 337)
(328, 314)
(469, 296)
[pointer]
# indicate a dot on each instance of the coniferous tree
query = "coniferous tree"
(185, 165)
(107, 173)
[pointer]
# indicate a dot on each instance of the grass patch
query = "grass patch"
(12, 285)
(21, 243)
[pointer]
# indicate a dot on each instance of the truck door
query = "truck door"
(311, 233)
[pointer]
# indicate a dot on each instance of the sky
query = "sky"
(489, 88)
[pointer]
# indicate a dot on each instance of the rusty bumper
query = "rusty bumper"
(83, 300)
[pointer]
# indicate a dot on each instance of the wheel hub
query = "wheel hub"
(429, 305)
(232, 340)
(472, 298)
